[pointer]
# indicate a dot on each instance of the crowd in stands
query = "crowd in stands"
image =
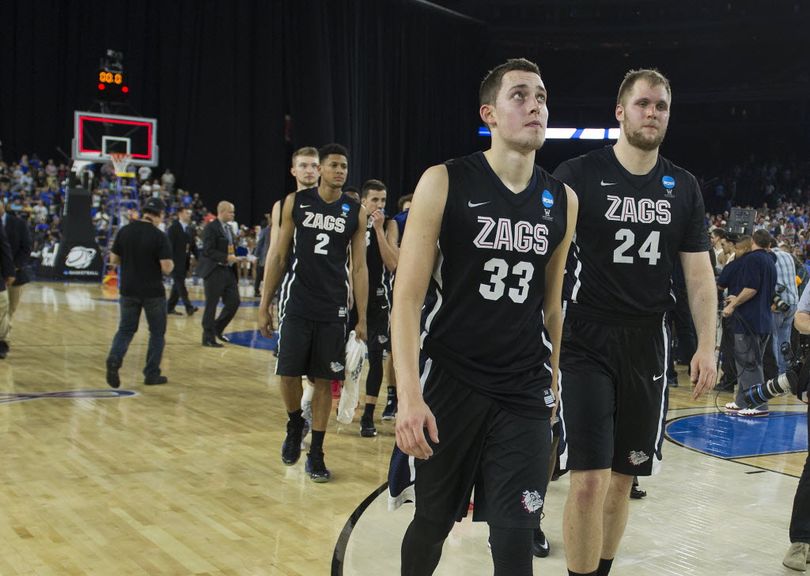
(35, 191)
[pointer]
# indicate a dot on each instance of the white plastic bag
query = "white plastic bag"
(350, 396)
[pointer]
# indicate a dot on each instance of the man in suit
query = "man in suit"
(183, 247)
(19, 239)
(262, 244)
(216, 268)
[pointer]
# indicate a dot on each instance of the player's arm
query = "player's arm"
(275, 263)
(275, 225)
(702, 292)
(360, 273)
(416, 260)
(388, 249)
(552, 303)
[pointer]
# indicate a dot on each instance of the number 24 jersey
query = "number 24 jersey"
(629, 232)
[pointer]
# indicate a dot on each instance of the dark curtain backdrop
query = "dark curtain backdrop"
(237, 85)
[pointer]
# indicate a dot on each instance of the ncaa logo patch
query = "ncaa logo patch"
(531, 500)
(345, 208)
(668, 182)
(548, 199)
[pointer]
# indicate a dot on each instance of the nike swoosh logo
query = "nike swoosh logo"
(603, 183)
(477, 204)
(658, 377)
(304, 205)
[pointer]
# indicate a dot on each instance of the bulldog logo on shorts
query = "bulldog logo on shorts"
(637, 458)
(532, 501)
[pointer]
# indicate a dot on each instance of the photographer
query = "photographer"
(784, 303)
(798, 555)
(750, 280)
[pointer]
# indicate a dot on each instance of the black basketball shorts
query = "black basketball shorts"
(310, 348)
(378, 325)
(613, 396)
(503, 456)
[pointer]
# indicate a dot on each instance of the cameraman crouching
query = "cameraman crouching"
(750, 279)
(798, 555)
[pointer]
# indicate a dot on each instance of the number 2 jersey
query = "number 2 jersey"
(486, 327)
(629, 232)
(316, 285)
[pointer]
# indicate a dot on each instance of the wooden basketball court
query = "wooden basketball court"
(186, 478)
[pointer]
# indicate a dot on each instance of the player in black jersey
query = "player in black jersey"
(381, 260)
(321, 224)
(304, 169)
(493, 229)
(639, 212)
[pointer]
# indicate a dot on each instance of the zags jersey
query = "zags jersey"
(630, 230)
(316, 285)
(379, 279)
(486, 327)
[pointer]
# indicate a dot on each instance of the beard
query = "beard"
(639, 140)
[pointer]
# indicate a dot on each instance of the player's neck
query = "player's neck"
(635, 160)
(514, 168)
(327, 193)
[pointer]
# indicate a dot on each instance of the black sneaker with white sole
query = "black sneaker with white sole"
(316, 468)
(540, 545)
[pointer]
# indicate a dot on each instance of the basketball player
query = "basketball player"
(639, 213)
(493, 229)
(304, 169)
(381, 259)
(393, 231)
(320, 224)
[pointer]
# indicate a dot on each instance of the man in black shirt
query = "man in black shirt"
(639, 213)
(320, 225)
(19, 239)
(183, 246)
(381, 260)
(144, 255)
(216, 268)
(492, 231)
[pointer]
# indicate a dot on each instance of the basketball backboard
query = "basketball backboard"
(97, 135)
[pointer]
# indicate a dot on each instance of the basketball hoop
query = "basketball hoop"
(120, 161)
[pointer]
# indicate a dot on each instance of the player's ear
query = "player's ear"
(487, 113)
(619, 112)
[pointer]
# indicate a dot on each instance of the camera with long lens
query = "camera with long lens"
(793, 381)
(779, 304)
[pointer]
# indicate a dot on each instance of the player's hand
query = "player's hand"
(232, 259)
(412, 419)
(377, 219)
(265, 322)
(360, 331)
(703, 370)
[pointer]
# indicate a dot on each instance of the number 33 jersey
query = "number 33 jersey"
(316, 285)
(629, 232)
(486, 327)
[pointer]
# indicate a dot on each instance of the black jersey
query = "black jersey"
(316, 285)
(379, 279)
(630, 230)
(486, 327)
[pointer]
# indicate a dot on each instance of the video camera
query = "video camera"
(779, 304)
(794, 380)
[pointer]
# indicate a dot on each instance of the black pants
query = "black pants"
(727, 353)
(219, 284)
(800, 520)
(179, 290)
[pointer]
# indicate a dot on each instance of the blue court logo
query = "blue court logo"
(548, 199)
(668, 182)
